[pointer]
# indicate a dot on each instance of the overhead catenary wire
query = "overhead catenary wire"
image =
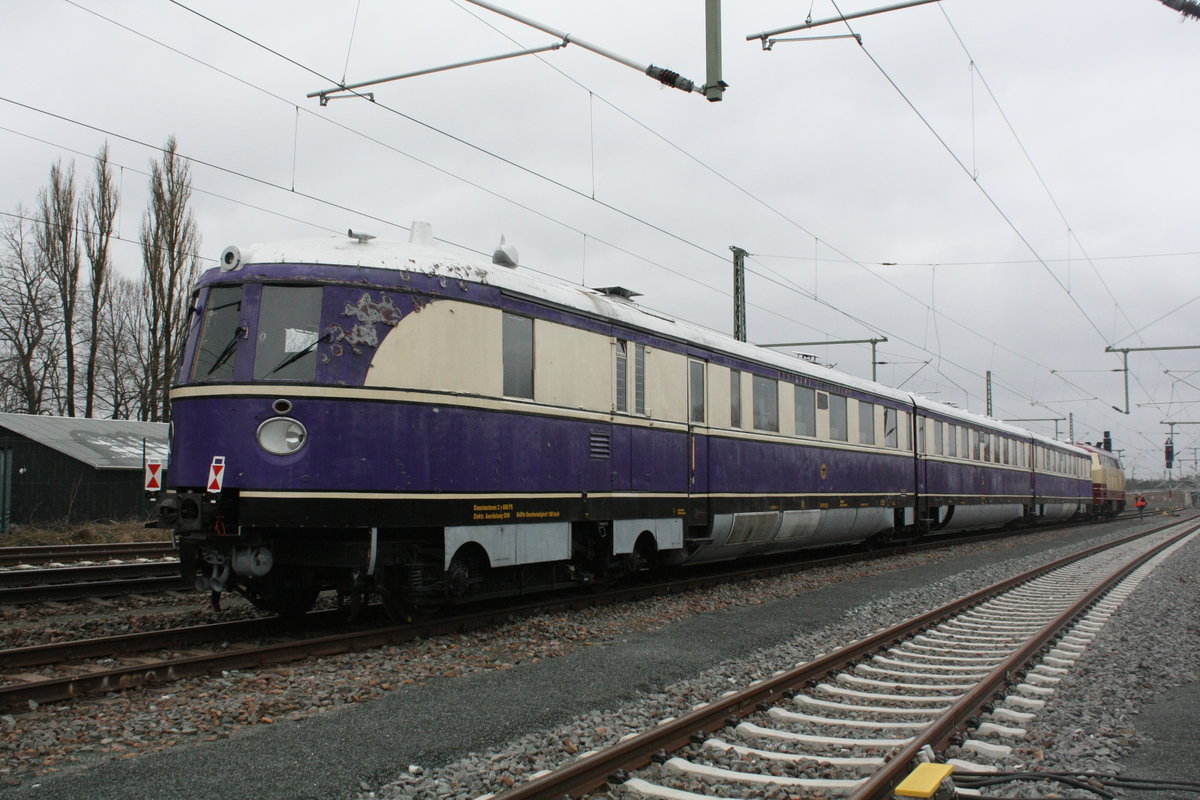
(534, 211)
(1053, 200)
(966, 170)
(974, 179)
(609, 206)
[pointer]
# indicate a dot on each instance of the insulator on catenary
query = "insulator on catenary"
(670, 78)
(1189, 8)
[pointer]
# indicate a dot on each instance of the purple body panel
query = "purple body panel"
(402, 447)
(945, 478)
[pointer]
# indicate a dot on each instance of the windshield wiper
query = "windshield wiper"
(299, 354)
(227, 352)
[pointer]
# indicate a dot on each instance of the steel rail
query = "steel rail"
(880, 785)
(98, 572)
(104, 580)
(130, 643)
(24, 595)
(40, 554)
(589, 773)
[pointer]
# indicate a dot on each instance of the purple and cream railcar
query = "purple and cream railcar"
(392, 418)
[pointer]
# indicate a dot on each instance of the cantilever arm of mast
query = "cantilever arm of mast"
(766, 35)
(661, 74)
(350, 89)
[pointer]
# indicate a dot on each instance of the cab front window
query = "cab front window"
(289, 324)
(220, 334)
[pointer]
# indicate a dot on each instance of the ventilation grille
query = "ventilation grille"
(600, 446)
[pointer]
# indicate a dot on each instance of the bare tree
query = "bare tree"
(58, 243)
(170, 244)
(120, 366)
(98, 211)
(29, 324)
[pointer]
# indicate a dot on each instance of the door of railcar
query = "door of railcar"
(698, 421)
(920, 451)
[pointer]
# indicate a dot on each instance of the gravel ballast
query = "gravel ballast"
(455, 716)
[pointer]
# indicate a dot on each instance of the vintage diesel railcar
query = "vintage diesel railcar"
(392, 418)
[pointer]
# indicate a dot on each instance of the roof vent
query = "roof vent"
(505, 254)
(421, 233)
(363, 238)
(619, 292)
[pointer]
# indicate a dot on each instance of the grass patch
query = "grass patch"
(82, 533)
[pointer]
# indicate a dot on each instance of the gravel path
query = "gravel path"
(442, 714)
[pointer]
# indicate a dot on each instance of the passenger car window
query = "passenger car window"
(806, 411)
(518, 356)
(866, 422)
(696, 391)
(890, 421)
(639, 378)
(622, 375)
(766, 404)
(838, 427)
(735, 398)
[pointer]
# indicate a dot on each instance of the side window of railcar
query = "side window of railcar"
(838, 427)
(866, 422)
(220, 335)
(696, 391)
(518, 356)
(735, 398)
(766, 404)
(806, 411)
(952, 441)
(890, 438)
(639, 379)
(289, 323)
(939, 438)
(622, 375)
(920, 434)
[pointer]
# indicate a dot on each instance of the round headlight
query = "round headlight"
(281, 436)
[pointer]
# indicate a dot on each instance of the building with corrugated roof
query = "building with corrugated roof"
(55, 469)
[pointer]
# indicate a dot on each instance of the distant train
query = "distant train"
(393, 419)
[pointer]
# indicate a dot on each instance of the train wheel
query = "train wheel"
(400, 601)
(286, 592)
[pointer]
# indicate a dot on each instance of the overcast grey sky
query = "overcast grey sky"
(882, 189)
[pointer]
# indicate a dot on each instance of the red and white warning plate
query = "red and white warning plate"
(216, 474)
(153, 476)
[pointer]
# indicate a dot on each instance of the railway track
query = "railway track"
(97, 580)
(46, 554)
(77, 669)
(856, 721)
